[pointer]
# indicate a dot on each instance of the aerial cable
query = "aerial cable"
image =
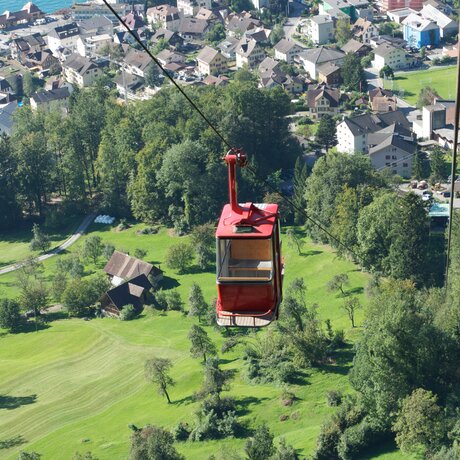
(222, 138)
(453, 169)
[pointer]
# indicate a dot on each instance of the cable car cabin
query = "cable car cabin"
(249, 266)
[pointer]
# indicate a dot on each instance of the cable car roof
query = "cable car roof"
(255, 221)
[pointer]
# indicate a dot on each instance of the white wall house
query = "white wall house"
(248, 53)
(65, 36)
(89, 46)
(286, 50)
(80, 71)
(319, 29)
(191, 7)
(386, 54)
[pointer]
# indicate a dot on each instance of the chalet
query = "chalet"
(248, 53)
(286, 50)
(323, 100)
(211, 62)
(192, 29)
(22, 46)
(132, 292)
(80, 71)
(165, 16)
(355, 47)
(122, 267)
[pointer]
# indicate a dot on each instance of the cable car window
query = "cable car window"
(245, 260)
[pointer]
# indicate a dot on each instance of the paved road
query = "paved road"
(445, 187)
(290, 26)
(71, 240)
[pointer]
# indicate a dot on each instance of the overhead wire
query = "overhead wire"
(226, 142)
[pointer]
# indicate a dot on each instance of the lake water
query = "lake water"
(48, 6)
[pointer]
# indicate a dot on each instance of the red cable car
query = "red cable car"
(249, 263)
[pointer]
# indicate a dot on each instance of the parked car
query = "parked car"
(422, 185)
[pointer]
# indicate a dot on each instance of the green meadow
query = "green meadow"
(409, 84)
(76, 385)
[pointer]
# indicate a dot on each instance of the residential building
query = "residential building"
(80, 71)
(88, 46)
(211, 62)
(165, 16)
(191, 7)
(313, 58)
(41, 61)
(400, 14)
(22, 46)
(382, 100)
(286, 50)
(447, 26)
(216, 81)
(228, 47)
(83, 11)
(259, 34)
(129, 86)
(268, 65)
(28, 14)
(392, 147)
(192, 29)
(168, 57)
(136, 62)
(355, 47)
(65, 36)
(170, 37)
(322, 100)
(7, 94)
(352, 8)
(248, 53)
(364, 30)
(418, 31)
(392, 56)
(96, 25)
(352, 133)
(319, 29)
(329, 73)
(206, 15)
(6, 117)
(237, 24)
(53, 99)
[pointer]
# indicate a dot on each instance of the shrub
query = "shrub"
(128, 313)
(338, 340)
(229, 344)
(148, 231)
(181, 432)
(161, 301)
(334, 398)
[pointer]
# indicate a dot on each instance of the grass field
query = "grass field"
(409, 84)
(15, 246)
(76, 385)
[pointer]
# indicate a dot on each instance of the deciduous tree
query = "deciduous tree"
(201, 344)
(179, 257)
(40, 241)
(326, 132)
(157, 371)
(338, 282)
(10, 316)
(351, 306)
(92, 247)
(343, 30)
(153, 443)
(260, 446)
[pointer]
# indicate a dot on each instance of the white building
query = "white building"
(65, 36)
(165, 16)
(191, 7)
(53, 99)
(386, 54)
(80, 71)
(314, 58)
(287, 50)
(89, 46)
(319, 29)
(248, 53)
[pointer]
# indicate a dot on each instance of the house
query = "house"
(134, 21)
(392, 56)
(129, 86)
(292, 84)
(268, 65)
(28, 14)
(65, 36)
(80, 71)
(311, 59)
(355, 47)
(322, 100)
(96, 25)
(192, 29)
(7, 94)
(136, 62)
(392, 147)
(167, 57)
(88, 10)
(216, 81)
(6, 118)
(330, 74)
(165, 16)
(237, 24)
(248, 53)
(259, 34)
(53, 99)
(211, 62)
(418, 31)
(88, 46)
(364, 30)
(41, 60)
(207, 15)
(22, 46)
(228, 47)
(319, 29)
(132, 292)
(352, 133)
(171, 38)
(287, 50)
(382, 100)
(122, 267)
(191, 7)
(447, 26)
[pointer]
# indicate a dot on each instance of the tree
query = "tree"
(201, 344)
(85, 456)
(426, 96)
(277, 34)
(350, 306)
(153, 443)
(40, 240)
(10, 315)
(386, 72)
(418, 166)
(28, 84)
(216, 34)
(438, 164)
(388, 28)
(338, 282)
(23, 455)
(420, 422)
(343, 30)
(156, 371)
(215, 379)
(241, 5)
(80, 294)
(260, 446)
(152, 75)
(353, 73)
(92, 247)
(179, 257)
(294, 308)
(161, 45)
(203, 241)
(294, 241)
(140, 253)
(71, 266)
(196, 303)
(300, 183)
(285, 451)
(108, 250)
(326, 132)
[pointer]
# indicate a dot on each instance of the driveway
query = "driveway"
(62, 247)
